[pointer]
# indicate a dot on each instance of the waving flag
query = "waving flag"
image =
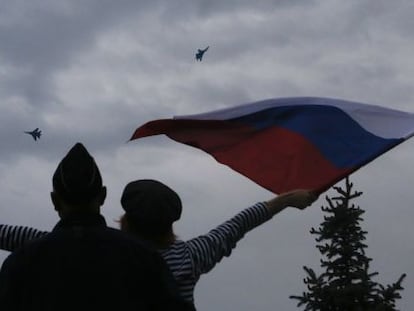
(290, 143)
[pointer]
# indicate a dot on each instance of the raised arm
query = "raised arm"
(12, 237)
(207, 250)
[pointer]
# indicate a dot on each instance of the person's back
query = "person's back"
(82, 264)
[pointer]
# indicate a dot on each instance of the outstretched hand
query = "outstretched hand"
(299, 199)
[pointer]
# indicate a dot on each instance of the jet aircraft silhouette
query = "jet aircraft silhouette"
(35, 133)
(200, 53)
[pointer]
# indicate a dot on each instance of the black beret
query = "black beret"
(151, 205)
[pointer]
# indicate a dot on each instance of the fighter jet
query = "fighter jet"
(200, 53)
(35, 133)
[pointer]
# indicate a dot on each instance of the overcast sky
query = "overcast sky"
(94, 70)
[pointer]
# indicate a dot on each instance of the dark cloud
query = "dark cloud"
(44, 39)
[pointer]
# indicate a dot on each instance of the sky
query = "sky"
(92, 71)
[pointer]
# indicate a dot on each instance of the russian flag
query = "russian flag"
(291, 143)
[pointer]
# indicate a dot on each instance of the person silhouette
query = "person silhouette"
(83, 264)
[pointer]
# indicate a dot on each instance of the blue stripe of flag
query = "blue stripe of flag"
(338, 137)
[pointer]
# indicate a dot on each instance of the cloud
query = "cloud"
(94, 70)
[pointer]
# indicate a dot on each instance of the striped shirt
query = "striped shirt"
(187, 260)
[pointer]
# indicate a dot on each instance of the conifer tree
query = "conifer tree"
(345, 283)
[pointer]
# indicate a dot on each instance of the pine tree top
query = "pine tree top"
(346, 282)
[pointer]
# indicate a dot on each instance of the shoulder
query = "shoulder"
(177, 247)
(132, 245)
(125, 239)
(179, 253)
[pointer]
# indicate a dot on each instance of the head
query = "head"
(77, 184)
(150, 208)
